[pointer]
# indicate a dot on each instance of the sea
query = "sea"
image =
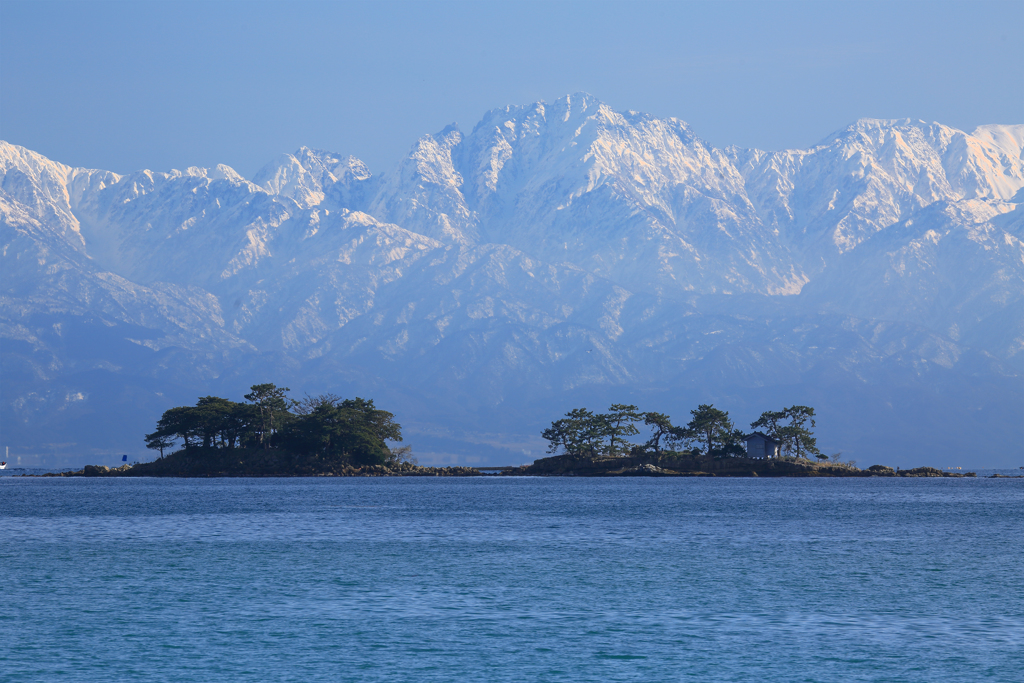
(511, 579)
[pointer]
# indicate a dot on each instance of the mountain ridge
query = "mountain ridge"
(492, 277)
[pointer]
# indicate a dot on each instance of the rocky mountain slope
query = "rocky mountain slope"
(556, 255)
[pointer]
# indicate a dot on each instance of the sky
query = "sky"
(160, 85)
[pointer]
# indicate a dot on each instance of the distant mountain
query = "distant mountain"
(557, 255)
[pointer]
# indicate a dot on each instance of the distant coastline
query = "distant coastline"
(556, 466)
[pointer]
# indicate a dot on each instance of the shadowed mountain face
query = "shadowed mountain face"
(556, 256)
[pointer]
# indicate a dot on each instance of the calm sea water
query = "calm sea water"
(512, 580)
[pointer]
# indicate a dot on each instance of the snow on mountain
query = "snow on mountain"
(640, 201)
(45, 190)
(156, 227)
(827, 200)
(307, 175)
(423, 193)
(556, 254)
(1005, 171)
(950, 267)
(47, 272)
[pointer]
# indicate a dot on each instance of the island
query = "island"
(782, 444)
(270, 435)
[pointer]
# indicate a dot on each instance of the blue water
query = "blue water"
(512, 580)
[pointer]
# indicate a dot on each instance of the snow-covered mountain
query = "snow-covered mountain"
(556, 255)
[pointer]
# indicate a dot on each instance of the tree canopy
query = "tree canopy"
(315, 428)
(714, 431)
(710, 432)
(789, 427)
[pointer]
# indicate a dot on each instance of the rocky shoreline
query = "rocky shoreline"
(346, 471)
(558, 466)
(687, 466)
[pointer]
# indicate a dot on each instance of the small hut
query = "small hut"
(760, 446)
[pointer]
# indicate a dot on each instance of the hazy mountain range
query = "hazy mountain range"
(555, 256)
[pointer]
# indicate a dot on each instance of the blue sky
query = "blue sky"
(123, 86)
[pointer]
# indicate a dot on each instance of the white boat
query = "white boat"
(3, 466)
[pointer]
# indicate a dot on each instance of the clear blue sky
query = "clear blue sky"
(160, 85)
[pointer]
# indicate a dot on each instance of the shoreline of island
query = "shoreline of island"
(677, 465)
(270, 435)
(555, 466)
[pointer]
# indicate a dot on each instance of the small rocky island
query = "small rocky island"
(270, 435)
(588, 444)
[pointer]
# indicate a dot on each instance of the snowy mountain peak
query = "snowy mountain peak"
(557, 250)
(577, 105)
(870, 175)
(288, 177)
(424, 193)
(224, 172)
(309, 175)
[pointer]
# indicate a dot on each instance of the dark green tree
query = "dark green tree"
(579, 434)
(213, 420)
(712, 429)
(358, 410)
(769, 422)
(789, 427)
(661, 427)
(272, 409)
(679, 438)
(564, 432)
(349, 431)
(620, 421)
(238, 427)
(733, 445)
(212, 423)
(796, 437)
(179, 423)
(159, 442)
(380, 423)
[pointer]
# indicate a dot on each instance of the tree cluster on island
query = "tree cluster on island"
(314, 433)
(710, 432)
(271, 435)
